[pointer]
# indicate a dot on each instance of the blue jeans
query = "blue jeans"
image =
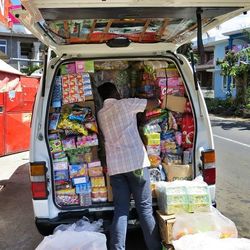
(139, 185)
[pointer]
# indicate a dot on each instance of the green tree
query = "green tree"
(236, 65)
(30, 69)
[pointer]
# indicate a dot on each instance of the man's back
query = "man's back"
(125, 151)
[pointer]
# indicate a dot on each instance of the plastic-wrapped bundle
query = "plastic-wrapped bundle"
(183, 196)
(171, 198)
(200, 222)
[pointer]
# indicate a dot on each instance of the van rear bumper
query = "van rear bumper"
(46, 226)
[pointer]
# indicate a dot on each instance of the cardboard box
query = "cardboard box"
(166, 223)
(110, 194)
(175, 103)
(178, 172)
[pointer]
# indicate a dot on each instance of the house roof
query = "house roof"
(5, 67)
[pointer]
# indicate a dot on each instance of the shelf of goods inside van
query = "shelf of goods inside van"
(167, 134)
(73, 138)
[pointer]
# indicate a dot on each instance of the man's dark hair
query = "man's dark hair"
(107, 90)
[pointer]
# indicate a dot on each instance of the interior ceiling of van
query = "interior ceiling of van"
(136, 24)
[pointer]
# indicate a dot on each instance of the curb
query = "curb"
(237, 119)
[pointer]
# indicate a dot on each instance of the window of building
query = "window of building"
(225, 82)
(205, 79)
(26, 50)
(3, 46)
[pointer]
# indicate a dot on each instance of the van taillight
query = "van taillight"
(38, 180)
(208, 166)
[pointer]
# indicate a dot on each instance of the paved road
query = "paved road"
(232, 144)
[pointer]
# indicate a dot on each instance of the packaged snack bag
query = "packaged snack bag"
(69, 143)
(94, 164)
(80, 180)
(55, 146)
(95, 171)
(99, 194)
(60, 164)
(97, 181)
(65, 123)
(92, 126)
(53, 121)
(59, 155)
(77, 170)
(154, 150)
(153, 139)
(61, 175)
(68, 69)
(67, 199)
(57, 93)
(187, 131)
(155, 160)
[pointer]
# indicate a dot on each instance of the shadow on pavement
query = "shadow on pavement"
(227, 125)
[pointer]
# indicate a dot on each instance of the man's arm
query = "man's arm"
(152, 104)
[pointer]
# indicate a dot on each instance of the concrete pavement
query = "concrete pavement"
(9, 164)
(17, 227)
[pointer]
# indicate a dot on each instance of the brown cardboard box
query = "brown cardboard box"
(166, 223)
(175, 103)
(178, 172)
(110, 194)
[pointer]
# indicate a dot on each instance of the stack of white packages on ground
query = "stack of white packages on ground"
(81, 235)
(183, 196)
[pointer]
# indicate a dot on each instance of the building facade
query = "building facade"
(212, 83)
(19, 48)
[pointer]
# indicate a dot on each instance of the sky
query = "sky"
(15, 2)
(236, 23)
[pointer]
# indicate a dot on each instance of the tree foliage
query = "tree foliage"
(30, 69)
(237, 65)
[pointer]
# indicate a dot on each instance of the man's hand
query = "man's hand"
(153, 104)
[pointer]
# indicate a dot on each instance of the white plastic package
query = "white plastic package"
(72, 240)
(81, 235)
(81, 225)
(210, 240)
(199, 222)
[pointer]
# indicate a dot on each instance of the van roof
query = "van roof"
(58, 23)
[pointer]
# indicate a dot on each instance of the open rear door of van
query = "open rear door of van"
(59, 23)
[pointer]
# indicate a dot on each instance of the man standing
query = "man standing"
(127, 163)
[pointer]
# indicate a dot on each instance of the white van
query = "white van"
(132, 43)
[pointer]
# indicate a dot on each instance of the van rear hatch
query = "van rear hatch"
(60, 23)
